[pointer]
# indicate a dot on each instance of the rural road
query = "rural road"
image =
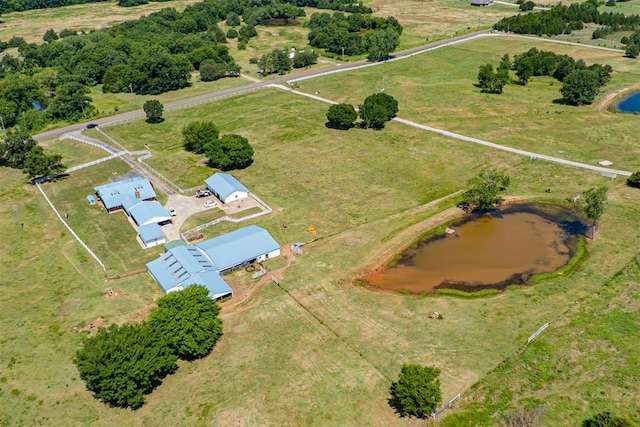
(256, 85)
(403, 54)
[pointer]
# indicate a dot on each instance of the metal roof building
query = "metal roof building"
(226, 188)
(151, 235)
(248, 244)
(202, 264)
(125, 193)
(144, 213)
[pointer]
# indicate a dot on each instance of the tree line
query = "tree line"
(51, 81)
(581, 83)
(354, 34)
(562, 19)
(226, 153)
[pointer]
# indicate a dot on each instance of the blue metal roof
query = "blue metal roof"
(91, 199)
(239, 246)
(178, 265)
(145, 213)
(224, 185)
(150, 232)
(211, 280)
(116, 193)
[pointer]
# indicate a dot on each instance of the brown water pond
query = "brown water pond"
(494, 250)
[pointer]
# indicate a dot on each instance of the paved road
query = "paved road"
(256, 85)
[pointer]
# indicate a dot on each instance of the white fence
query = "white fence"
(538, 332)
(445, 406)
(73, 233)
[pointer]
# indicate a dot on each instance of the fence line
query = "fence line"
(73, 233)
(538, 332)
(104, 147)
(445, 406)
(112, 140)
(95, 162)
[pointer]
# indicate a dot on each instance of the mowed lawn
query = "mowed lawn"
(437, 89)
(315, 350)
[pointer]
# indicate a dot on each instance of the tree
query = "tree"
(607, 419)
(71, 101)
(417, 391)
(210, 70)
(50, 35)
(277, 61)
(341, 116)
(490, 81)
(632, 51)
(527, 5)
(15, 148)
(153, 109)
(595, 200)
(581, 87)
(305, 58)
(634, 180)
(120, 364)
(230, 152)
(485, 190)
(378, 109)
(38, 164)
(188, 322)
(233, 20)
(199, 134)
(380, 43)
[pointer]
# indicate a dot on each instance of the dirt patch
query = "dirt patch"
(93, 326)
(112, 293)
(229, 417)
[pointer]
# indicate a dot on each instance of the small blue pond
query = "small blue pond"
(631, 104)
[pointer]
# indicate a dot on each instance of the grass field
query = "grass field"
(316, 350)
(526, 117)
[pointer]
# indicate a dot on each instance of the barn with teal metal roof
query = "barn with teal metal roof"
(226, 188)
(239, 247)
(203, 264)
(151, 235)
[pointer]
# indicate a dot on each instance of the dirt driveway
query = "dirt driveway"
(185, 206)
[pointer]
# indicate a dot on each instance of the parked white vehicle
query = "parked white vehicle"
(172, 212)
(210, 203)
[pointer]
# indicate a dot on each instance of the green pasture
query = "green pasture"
(437, 89)
(75, 153)
(317, 350)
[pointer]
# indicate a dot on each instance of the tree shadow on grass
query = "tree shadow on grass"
(331, 125)
(155, 121)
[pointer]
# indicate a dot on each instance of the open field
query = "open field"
(32, 24)
(75, 153)
(315, 342)
(525, 117)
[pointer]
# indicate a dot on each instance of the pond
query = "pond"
(630, 104)
(487, 251)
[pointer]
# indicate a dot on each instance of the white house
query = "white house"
(226, 188)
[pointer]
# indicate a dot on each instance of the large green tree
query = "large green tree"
(15, 148)
(39, 164)
(230, 152)
(595, 200)
(199, 134)
(153, 109)
(120, 364)
(490, 81)
(188, 321)
(71, 101)
(341, 116)
(485, 190)
(581, 87)
(378, 109)
(380, 43)
(417, 391)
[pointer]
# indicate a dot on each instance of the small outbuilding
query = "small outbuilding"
(91, 199)
(226, 188)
